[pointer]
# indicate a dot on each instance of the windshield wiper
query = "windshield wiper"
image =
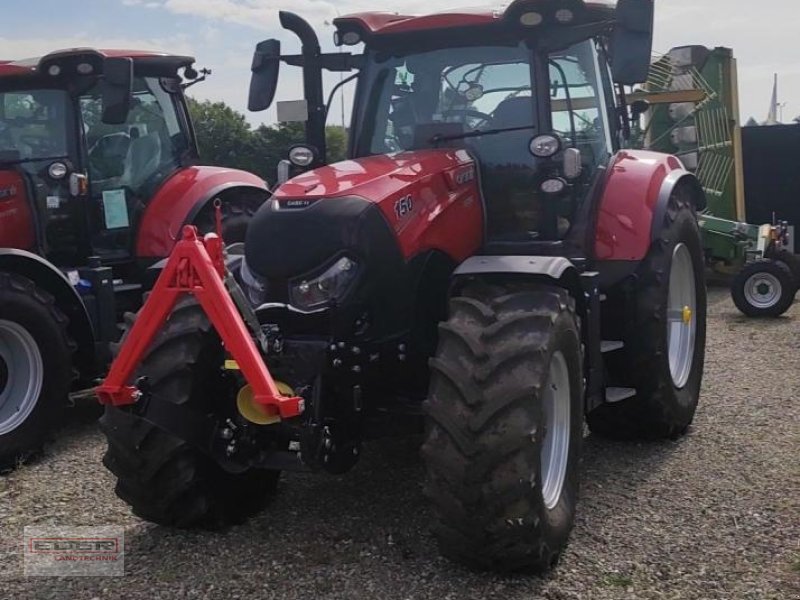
(476, 133)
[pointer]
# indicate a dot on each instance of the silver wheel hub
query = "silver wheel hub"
(555, 444)
(681, 315)
(763, 290)
(21, 375)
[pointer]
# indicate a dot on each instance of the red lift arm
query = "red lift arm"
(195, 266)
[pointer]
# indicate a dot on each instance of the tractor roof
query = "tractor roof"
(375, 24)
(142, 59)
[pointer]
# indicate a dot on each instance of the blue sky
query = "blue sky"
(222, 34)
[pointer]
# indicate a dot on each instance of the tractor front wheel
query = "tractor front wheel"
(504, 427)
(765, 288)
(162, 477)
(35, 367)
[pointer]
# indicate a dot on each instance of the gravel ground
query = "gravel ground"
(714, 515)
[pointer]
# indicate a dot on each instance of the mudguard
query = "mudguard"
(180, 199)
(634, 202)
(558, 269)
(50, 279)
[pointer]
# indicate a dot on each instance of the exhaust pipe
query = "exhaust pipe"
(312, 80)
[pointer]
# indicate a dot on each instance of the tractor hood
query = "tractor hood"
(373, 178)
(376, 208)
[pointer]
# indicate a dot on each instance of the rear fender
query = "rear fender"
(635, 199)
(182, 198)
(50, 279)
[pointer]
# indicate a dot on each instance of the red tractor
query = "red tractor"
(491, 262)
(97, 176)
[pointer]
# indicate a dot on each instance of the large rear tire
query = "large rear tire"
(35, 367)
(665, 336)
(163, 478)
(236, 215)
(504, 427)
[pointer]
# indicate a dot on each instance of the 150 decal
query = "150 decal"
(403, 207)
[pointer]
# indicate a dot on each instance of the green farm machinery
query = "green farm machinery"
(694, 113)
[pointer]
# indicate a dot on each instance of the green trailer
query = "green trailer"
(694, 114)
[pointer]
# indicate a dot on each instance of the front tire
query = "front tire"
(764, 288)
(163, 478)
(35, 367)
(665, 336)
(504, 428)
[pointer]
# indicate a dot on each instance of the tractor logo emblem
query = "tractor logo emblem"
(465, 176)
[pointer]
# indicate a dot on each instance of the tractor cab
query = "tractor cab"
(90, 135)
(528, 93)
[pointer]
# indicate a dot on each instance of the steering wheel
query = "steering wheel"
(468, 113)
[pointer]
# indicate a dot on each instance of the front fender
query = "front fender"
(637, 191)
(556, 269)
(180, 199)
(53, 281)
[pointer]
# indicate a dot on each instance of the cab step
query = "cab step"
(611, 346)
(618, 394)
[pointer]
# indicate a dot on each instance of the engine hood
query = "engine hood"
(373, 177)
(382, 209)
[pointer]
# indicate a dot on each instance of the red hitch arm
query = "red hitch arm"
(195, 267)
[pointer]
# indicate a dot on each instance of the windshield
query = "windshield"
(33, 124)
(450, 94)
(140, 153)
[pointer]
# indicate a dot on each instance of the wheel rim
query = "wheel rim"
(555, 445)
(681, 315)
(763, 290)
(21, 375)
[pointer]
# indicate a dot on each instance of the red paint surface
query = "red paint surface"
(447, 212)
(168, 210)
(379, 23)
(28, 66)
(629, 200)
(16, 220)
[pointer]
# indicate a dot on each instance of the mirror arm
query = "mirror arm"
(623, 112)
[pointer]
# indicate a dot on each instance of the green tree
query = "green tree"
(224, 136)
(226, 139)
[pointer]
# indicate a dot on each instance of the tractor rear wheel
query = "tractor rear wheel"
(504, 427)
(35, 367)
(764, 288)
(665, 336)
(163, 478)
(236, 215)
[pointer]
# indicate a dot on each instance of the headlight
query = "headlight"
(553, 186)
(254, 286)
(545, 146)
(302, 156)
(333, 284)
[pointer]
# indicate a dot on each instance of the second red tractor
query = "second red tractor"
(99, 170)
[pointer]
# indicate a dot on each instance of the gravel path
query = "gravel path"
(714, 515)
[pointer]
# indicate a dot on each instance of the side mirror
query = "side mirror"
(264, 78)
(632, 41)
(117, 89)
